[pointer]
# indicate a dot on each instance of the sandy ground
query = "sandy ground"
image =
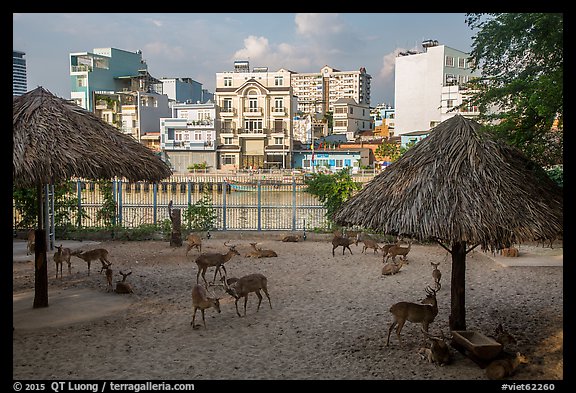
(329, 319)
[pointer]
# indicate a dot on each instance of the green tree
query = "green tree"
(332, 189)
(201, 216)
(520, 91)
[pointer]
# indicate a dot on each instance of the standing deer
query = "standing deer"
(436, 274)
(194, 241)
(123, 286)
(245, 285)
(60, 256)
(502, 368)
(214, 259)
(200, 300)
(417, 313)
(342, 241)
(396, 250)
(109, 274)
(92, 255)
(31, 242)
(368, 243)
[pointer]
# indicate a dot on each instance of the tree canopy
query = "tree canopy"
(520, 92)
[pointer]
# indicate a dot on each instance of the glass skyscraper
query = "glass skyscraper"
(19, 84)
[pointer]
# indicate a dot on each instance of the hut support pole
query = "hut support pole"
(457, 319)
(40, 265)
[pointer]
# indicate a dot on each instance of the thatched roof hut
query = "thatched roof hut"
(461, 187)
(55, 140)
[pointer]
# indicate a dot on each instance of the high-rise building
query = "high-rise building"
(317, 92)
(19, 81)
(429, 84)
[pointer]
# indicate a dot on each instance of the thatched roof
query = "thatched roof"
(458, 184)
(55, 140)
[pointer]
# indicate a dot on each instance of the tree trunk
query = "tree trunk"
(457, 319)
(40, 270)
(176, 238)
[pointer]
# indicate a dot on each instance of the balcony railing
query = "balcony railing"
(248, 131)
(253, 111)
(81, 68)
(228, 111)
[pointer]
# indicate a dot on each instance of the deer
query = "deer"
(92, 255)
(214, 259)
(385, 248)
(436, 273)
(368, 243)
(392, 268)
(243, 286)
(502, 368)
(342, 241)
(109, 274)
(123, 286)
(260, 253)
(31, 242)
(291, 238)
(194, 241)
(200, 300)
(502, 336)
(439, 351)
(423, 313)
(396, 250)
(509, 252)
(60, 256)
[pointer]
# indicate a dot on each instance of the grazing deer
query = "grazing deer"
(509, 252)
(62, 255)
(200, 300)
(417, 313)
(291, 238)
(396, 250)
(194, 241)
(502, 368)
(341, 241)
(123, 286)
(245, 285)
(92, 255)
(31, 242)
(392, 268)
(436, 274)
(439, 351)
(260, 253)
(502, 336)
(214, 259)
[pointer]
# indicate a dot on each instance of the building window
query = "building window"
(351, 110)
(253, 125)
(450, 103)
(339, 163)
(198, 136)
(227, 105)
(461, 62)
(450, 80)
(278, 81)
(253, 105)
(227, 81)
(228, 159)
(228, 141)
(278, 104)
(278, 141)
(306, 163)
(449, 61)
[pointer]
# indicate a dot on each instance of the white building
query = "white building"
(189, 136)
(350, 118)
(256, 112)
(428, 85)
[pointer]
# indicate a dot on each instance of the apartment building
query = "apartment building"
(428, 85)
(350, 118)
(256, 111)
(317, 92)
(189, 137)
(184, 90)
(19, 79)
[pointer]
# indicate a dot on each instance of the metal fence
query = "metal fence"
(284, 206)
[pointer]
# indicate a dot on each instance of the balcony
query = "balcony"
(280, 112)
(228, 112)
(254, 133)
(81, 68)
(253, 112)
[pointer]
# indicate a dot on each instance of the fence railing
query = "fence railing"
(250, 205)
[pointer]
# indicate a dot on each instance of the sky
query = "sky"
(199, 45)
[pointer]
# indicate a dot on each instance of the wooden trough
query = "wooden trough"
(478, 347)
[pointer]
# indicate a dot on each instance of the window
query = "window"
(278, 141)
(253, 105)
(227, 81)
(253, 125)
(306, 163)
(81, 81)
(278, 81)
(339, 163)
(228, 141)
(227, 127)
(351, 110)
(450, 80)
(461, 62)
(228, 159)
(449, 61)
(278, 104)
(198, 136)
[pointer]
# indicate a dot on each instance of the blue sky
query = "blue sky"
(198, 45)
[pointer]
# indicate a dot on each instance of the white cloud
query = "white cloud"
(261, 54)
(318, 24)
(254, 47)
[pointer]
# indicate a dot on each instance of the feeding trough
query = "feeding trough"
(475, 345)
